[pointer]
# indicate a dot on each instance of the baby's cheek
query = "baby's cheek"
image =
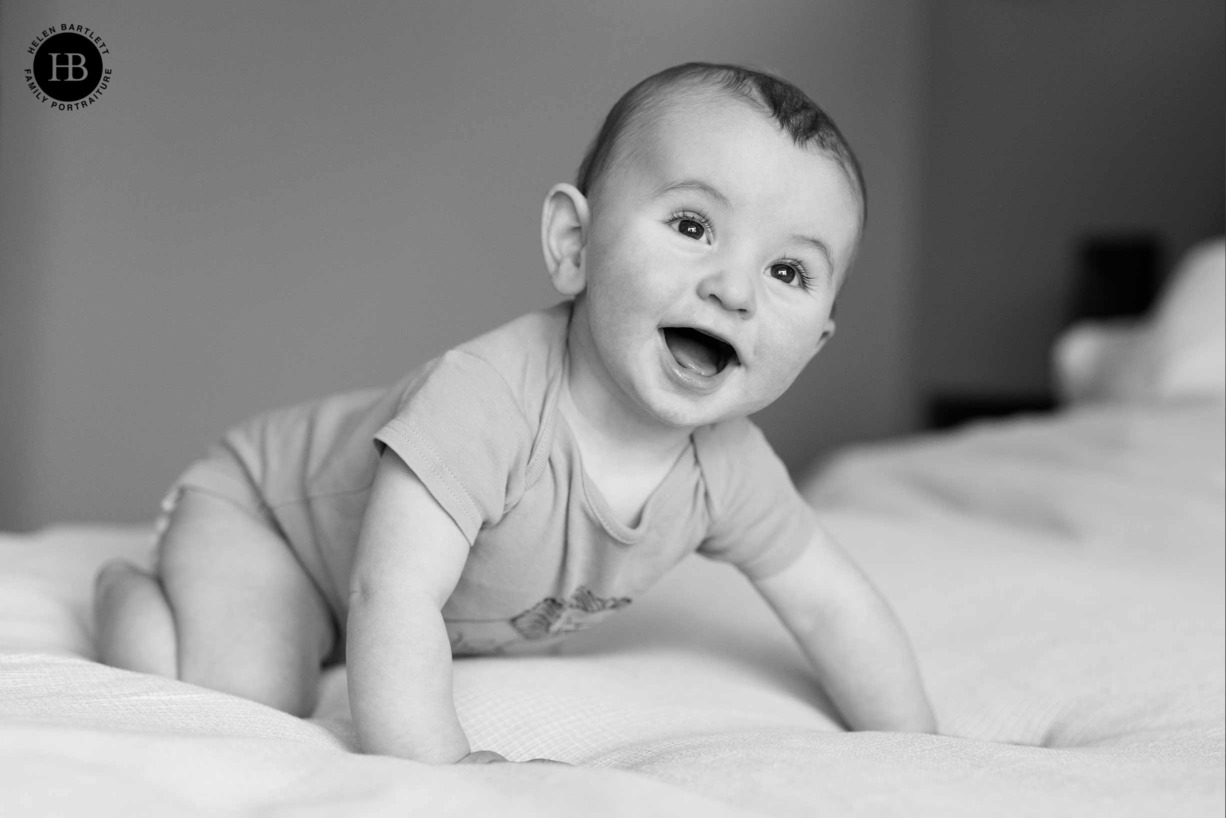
(781, 372)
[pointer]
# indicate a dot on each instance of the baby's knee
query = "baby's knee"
(116, 578)
(286, 686)
(121, 588)
(133, 626)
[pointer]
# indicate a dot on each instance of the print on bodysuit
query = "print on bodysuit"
(553, 616)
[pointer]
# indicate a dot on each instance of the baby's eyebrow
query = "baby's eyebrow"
(818, 245)
(694, 185)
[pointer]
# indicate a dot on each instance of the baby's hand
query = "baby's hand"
(482, 757)
(490, 757)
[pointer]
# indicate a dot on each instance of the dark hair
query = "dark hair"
(798, 115)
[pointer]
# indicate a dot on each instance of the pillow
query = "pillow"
(1177, 351)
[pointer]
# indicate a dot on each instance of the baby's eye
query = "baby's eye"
(787, 273)
(692, 225)
(691, 228)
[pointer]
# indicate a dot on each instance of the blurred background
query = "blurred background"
(274, 201)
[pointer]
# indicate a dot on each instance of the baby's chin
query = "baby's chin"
(687, 413)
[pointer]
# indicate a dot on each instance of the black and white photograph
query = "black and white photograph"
(707, 408)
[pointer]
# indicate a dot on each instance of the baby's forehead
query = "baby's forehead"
(718, 131)
(678, 116)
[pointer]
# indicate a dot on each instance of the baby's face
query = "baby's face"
(712, 261)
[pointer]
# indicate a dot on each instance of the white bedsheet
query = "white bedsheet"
(1062, 580)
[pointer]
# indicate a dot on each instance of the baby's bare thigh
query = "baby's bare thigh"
(248, 618)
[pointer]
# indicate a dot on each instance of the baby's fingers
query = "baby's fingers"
(490, 757)
(482, 757)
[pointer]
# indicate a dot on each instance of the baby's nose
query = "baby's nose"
(731, 290)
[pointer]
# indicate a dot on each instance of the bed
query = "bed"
(1061, 576)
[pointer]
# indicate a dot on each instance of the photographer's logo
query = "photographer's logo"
(68, 72)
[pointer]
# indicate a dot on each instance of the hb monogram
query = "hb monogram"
(71, 65)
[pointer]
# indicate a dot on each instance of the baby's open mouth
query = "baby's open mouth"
(697, 351)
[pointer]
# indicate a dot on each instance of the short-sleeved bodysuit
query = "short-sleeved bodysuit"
(480, 427)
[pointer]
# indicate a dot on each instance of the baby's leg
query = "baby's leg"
(245, 618)
(134, 626)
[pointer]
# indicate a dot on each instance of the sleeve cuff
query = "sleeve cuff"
(415, 450)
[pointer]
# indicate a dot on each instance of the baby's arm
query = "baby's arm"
(853, 639)
(409, 559)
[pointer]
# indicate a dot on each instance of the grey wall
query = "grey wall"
(1047, 122)
(277, 200)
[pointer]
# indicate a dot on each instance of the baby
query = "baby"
(539, 478)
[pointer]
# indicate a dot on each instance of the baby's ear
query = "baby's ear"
(826, 335)
(564, 225)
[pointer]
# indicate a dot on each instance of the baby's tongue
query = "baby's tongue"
(692, 353)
